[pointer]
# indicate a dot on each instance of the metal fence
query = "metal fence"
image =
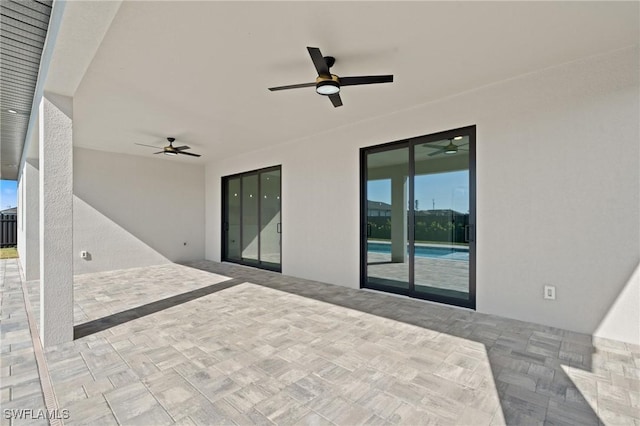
(8, 230)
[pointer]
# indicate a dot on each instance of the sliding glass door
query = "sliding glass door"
(251, 225)
(418, 217)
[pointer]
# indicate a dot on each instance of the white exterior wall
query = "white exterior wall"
(558, 192)
(20, 210)
(28, 220)
(131, 211)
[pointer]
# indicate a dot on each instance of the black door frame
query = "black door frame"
(225, 220)
(410, 143)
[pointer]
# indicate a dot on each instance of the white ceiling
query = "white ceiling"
(199, 71)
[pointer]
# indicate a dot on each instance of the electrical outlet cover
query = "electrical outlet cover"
(549, 292)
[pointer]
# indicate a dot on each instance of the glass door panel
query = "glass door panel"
(250, 218)
(441, 187)
(232, 220)
(270, 225)
(387, 260)
(418, 217)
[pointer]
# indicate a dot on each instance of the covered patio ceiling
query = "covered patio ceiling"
(23, 31)
(199, 71)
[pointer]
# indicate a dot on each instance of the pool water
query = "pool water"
(452, 253)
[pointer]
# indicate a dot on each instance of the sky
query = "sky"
(8, 194)
(444, 190)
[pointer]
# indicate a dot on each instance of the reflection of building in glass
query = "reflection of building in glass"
(378, 208)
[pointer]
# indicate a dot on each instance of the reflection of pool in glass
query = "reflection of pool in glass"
(433, 252)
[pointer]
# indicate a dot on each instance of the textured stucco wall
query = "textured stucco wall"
(133, 211)
(109, 245)
(557, 193)
(56, 222)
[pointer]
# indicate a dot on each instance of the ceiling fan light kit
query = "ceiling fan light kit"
(325, 86)
(451, 148)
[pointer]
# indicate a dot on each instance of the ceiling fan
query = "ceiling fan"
(328, 84)
(172, 150)
(449, 149)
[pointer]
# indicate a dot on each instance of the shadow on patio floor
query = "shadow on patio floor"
(101, 324)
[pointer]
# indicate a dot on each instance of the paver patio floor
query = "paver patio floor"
(213, 343)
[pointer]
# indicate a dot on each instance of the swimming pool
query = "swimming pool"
(452, 253)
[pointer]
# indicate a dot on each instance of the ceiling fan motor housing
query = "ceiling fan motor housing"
(330, 60)
(170, 150)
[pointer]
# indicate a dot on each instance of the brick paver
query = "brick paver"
(19, 380)
(213, 343)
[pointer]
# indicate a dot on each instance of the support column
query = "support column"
(31, 223)
(56, 220)
(399, 218)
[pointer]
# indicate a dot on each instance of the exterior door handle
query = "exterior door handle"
(368, 229)
(279, 228)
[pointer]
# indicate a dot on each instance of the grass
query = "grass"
(8, 253)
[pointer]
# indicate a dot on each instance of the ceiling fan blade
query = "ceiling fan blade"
(440, 151)
(188, 153)
(180, 148)
(292, 86)
(365, 79)
(159, 152)
(336, 100)
(318, 61)
(150, 146)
